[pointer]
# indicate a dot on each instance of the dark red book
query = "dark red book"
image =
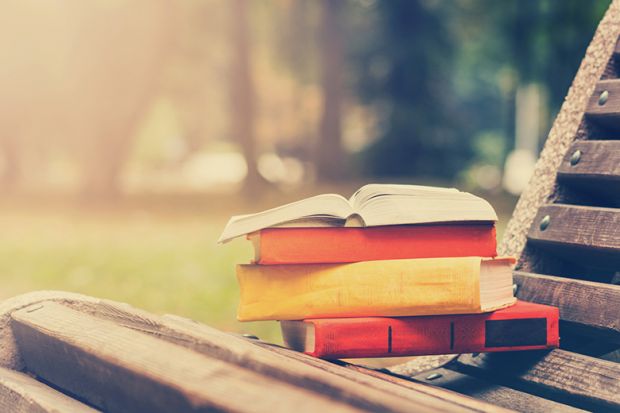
(524, 326)
(336, 245)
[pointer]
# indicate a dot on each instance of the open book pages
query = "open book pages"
(371, 205)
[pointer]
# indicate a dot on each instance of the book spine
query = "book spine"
(342, 245)
(377, 337)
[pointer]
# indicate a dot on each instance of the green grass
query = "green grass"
(162, 262)
(160, 258)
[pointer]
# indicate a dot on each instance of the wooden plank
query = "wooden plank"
(118, 369)
(607, 113)
(587, 306)
(20, 393)
(593, 169)
(341, 382)
(331, 380)
(491, 392)
(566, 377)
(592, 160)
(587, 235)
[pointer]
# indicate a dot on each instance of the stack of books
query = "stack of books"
(395, 270)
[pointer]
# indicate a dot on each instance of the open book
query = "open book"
(372, 205)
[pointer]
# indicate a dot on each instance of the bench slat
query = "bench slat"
(579, 233)
(119, 369)
(588, 306)
(595, 161)
(338, 381)
(20, 393)
(331, 382)
(571, 378)
(491, 392)
(608, 113)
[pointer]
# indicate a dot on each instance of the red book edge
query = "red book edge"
(341, 245)
(445, 334)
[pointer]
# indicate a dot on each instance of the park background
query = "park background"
(132, 130)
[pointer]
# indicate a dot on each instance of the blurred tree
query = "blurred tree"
(406, 70)
(199, 59)
(443, 74)
(330, 160)
(76, 79)
(242, 92)
(503, 47)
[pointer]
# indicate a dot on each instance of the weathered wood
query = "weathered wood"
(593, 169)
(491, 392)
(20, 393)
(606, 112)
(339, 382)
(578, 233)
(35, 330)
(118, 369)
(334, 381)
(592, 160)
(566, 377)
(588, 306)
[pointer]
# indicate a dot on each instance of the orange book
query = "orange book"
(341, 245)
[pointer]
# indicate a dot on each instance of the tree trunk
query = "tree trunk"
(124, 55)
(329, 152)
(242, 96)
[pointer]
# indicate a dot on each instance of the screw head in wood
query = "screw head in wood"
(575, 157)
(544, 223)
(602, 99)
(434, 376)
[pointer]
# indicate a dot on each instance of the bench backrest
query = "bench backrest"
(566, 232)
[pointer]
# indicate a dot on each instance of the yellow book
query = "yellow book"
(428, 286)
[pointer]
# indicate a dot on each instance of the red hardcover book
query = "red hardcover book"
(335, 245)
(524, 326)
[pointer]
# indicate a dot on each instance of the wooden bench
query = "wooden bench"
(64, 352)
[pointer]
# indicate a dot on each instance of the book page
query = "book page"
(321, 206)
(370, 191)
(425, 207)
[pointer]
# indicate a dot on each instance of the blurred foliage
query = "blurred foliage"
(128, 94)
(445, 74)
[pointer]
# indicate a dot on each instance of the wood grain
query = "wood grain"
(491, 392)
(599, 160)
(361, 387)
(20, 393)
(591, 307)
(588, 235)
(118, 369)
(593, 180)
(566, 377)
(608, 113)
(330, 380)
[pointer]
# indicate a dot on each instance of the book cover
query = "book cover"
(343, 245)
(523, 326)
(422, 286)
